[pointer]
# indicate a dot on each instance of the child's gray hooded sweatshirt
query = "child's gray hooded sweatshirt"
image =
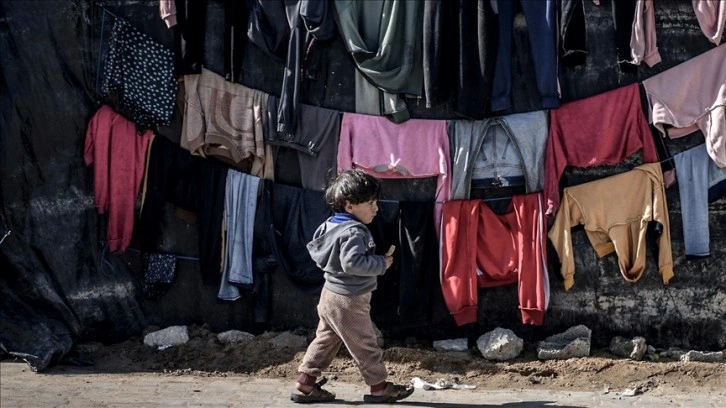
(345, 251)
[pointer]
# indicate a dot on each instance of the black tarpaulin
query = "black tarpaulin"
(57, 283)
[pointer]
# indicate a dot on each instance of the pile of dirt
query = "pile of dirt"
(204, 355)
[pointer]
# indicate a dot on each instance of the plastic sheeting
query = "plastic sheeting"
(57, 285)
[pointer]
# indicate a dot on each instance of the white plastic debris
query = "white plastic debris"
(441, 384)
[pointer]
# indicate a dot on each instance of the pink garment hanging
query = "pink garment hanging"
(417, 148)
(692, 96)
(118, 156)
(711, 15)
(167, 11)
(602, 129)
(643, 38)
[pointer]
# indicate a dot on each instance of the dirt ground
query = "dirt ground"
(204, 356)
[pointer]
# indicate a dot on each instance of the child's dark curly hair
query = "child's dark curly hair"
(354, 186)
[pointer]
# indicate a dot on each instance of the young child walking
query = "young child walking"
(343, 248)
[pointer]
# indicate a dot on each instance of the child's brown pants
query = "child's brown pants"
(345, 320)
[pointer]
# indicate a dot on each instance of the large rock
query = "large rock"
(234, 336)
(706, 356)
(287, 339)
(171, 336)
(634, 349)
(500, 344)
(574, 342)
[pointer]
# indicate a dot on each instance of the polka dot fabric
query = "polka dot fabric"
(138, 79)
(159, 271)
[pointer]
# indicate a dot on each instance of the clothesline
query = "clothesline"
(98, 76)
(100, 41)
(103, 7)
(443, 202)
(104, 256)
(98, 68)
(187, 258)
(669, 159)
(100, 45)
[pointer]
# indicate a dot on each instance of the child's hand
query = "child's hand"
(389, 261)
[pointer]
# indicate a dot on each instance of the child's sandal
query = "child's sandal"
(392, 393)
(317, 394)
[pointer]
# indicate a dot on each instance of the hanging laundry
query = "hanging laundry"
(118, 157)
(417, 148)
(643, 43)
(573, 33)
(170, 176)
(291, 31)
(189, 24)
(418, 256)
(711, 16)
(542, 28)
(504, 151)
(315, 141)
(189, 18)
(384, 229)
(240, 206)
(236, 23)
(461, 59)
(159, 271)
(697, 174)
(623, 17)
(384, 39)
(480, 249)
(621, 228)
(226, 120)
(602, 129)
(691, 96)
(173, 175)
(287, 220)
(138, 77)
(167, 12)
